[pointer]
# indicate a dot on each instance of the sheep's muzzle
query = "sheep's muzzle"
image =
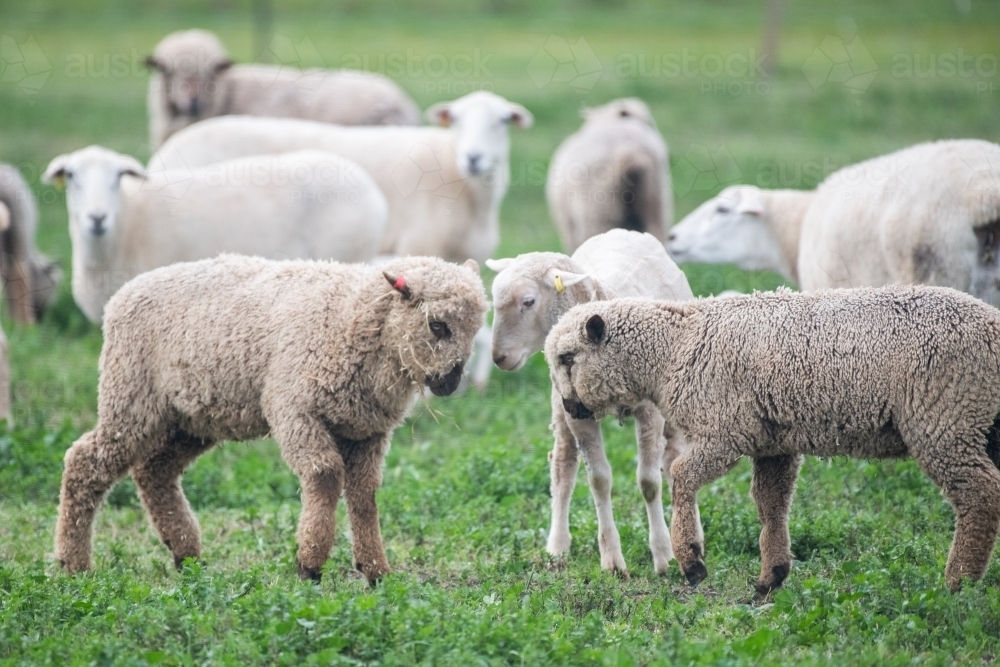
(445, 385)
(577, 410)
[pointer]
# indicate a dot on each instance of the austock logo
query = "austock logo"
(841, 59)
(703, 170)
(23, 64)
(560, 62)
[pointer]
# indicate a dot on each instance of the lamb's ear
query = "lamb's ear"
(132, 167)
(520, 116)
(223, 65)
(55, 173)
(4, 217)
(498, 265)
(439, 114)
(154, 65)
(398, 283)
(471, 265)
(595, 329)
(561, 280)
(751, 203)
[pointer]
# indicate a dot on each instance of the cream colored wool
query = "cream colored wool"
(194, 78)
(325, 358)
(528, 303)
(872, 373)
(613, 172)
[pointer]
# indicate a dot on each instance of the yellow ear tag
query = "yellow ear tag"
(58, 182)
(559, 286)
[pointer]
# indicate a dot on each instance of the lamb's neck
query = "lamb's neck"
(98, 271)
(667, 363)
(785, 210)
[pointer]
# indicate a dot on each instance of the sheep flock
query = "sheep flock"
(300, 257)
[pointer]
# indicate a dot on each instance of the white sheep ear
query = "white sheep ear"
(56, 171)
(498, 265)
(750, 203)
(472, 265)
(4, 217)
(439, 114)
(132, 167)
(561, 280)
(520, 116)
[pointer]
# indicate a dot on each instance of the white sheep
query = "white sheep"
(123, 222)
(928, 214)
(326, 358)
(30, 279)
(613, 172)
(530, 293)
(194, 78)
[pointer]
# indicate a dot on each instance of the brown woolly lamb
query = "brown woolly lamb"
(872, 373)
(326, 358)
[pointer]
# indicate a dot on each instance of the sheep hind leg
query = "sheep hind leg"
(158, 480)
(362, 478)
(649, 435)
(92, 466)
(588, 437)
(772, 488)
(564, 463)
(971, 483)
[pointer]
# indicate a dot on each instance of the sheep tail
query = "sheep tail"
(640, 196)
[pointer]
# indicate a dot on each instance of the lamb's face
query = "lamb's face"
(628, 108)
(587, 365)
(480, 121)
(92, 178)
(439, 309)
(189, 63)
(728, 229)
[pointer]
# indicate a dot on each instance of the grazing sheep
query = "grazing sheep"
(123, 222)
(530, 293)
(29, 277)
(757, 230)
(444, 186)
(928, 214)
(193, 79)
(327, 358)
(873, 373)
(613, 172)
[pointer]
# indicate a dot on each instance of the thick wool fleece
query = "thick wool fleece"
(874, 373)
(326, 358)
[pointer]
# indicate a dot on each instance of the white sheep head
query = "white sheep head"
(189, 63)
(530, 293)
(731, 228)
(627, 109)
(92, 177)
(437, 309)
(480, 122)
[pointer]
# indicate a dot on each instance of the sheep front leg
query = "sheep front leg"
(772, 489)
(159, 483)
(674, 449)
(701, 464)
(563, 466)
(649, 435)
(312, 455)
(588, 437)
(363, 476)
(92, 465)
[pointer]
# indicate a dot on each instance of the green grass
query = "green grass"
(465, 500)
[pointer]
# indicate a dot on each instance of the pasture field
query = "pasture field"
(464, 504)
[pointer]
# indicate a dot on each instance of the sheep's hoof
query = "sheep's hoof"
(695, 572)
(373, 573)
(778, 575)
(309, 573)
(179, 561)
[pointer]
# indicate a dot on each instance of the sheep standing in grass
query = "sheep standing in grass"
(872, 373)
(613, 172)
(530, 293)
(123, 222)
(326, 358)
(193, 79)
(29, 278)
(928, 214)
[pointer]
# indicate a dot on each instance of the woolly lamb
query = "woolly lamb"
(872, 373)
(309, 205)
(29, 277)
(193, 78)
(444, 186)
(928, 214)
(326, 358)
(530, 293)
(613, 172)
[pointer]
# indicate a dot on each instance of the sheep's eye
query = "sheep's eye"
(567, 359)
(722, 208)
(528, 302)
(623, 113)
(440, 330)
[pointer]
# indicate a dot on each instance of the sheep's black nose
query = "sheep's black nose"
(195, 106)
(499, 358)
(445, 385)
(671, 237)
(98, 222)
